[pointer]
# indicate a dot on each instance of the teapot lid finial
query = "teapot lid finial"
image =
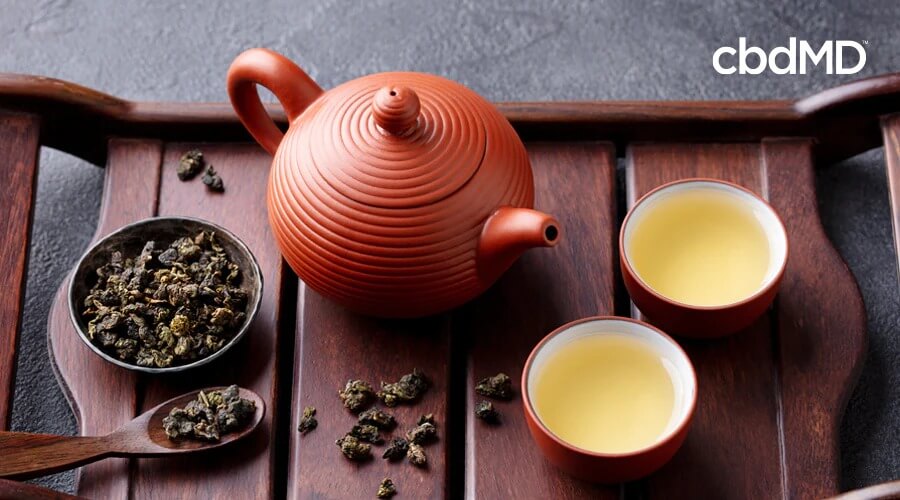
(396, 109)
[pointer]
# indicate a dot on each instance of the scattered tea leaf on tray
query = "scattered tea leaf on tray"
(212, 180)
(422, 433)
(353, 448)
(396, 449)
(308, 421)
(407, 389)
(356, 395)
(416, 455)
(498, 387)
(427, 418)
(367, 433)
(166, 307)
(209, 416)
(386, 489)
(378, 418)
(485, 411)
(190, 165)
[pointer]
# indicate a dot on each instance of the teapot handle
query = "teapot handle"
(294, 89)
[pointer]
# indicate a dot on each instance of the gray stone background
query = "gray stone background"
(516, 50)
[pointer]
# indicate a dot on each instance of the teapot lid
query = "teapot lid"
(395, 140)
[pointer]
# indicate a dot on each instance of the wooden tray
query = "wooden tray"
(770, 398)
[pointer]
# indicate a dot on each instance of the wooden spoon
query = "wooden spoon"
(24, 455)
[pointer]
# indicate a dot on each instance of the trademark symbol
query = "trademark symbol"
(865, 42)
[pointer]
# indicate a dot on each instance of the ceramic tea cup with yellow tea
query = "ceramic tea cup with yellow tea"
(608, 399)
(702, 257)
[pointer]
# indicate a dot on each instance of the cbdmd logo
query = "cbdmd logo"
(791, 60)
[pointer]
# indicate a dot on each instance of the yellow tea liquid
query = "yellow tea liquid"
(604, 393)
(700, 247)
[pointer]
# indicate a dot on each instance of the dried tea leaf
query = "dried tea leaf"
(233, 412)
(407, 389)
(308, 421)
(210, 415)
(353, 448)
(378, 418)
(485, 411)
(426, 418)
(356, 395)
(422, 433)
(212, 180)
(386, 489)
(416, 455)
(190, 165)
(498, 387)
(396, 449)
(178, 424)
(367, 433)
(166, 306)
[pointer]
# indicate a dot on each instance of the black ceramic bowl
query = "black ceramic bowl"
(130, 240)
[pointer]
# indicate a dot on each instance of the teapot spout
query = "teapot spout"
(507, 233)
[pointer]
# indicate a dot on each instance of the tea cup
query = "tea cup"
(733, 244)
(597, 465)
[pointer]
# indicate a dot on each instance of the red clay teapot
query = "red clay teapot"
(396, 194)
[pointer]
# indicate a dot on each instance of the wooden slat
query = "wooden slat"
(890, 128)
(543, 290)
(79, 119)
(733, 448)
(24, 491)
(821, 327)
(19, 136)
(102, 395)
(245, 470)
(334, 345)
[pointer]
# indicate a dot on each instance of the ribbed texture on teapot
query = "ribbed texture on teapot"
(414, 253)
(429, 154)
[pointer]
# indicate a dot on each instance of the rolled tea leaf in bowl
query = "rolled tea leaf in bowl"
(168, 305)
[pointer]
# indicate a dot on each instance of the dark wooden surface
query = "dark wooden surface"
(333, 346)
(777, 389)
(14, 490)
(19, 144)
(736, 403)
(131, 190)
(84, 118)
(543, 290)
(819, 327)
(770, 397)
(141, 182)
(251, 364)
(891, 130)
